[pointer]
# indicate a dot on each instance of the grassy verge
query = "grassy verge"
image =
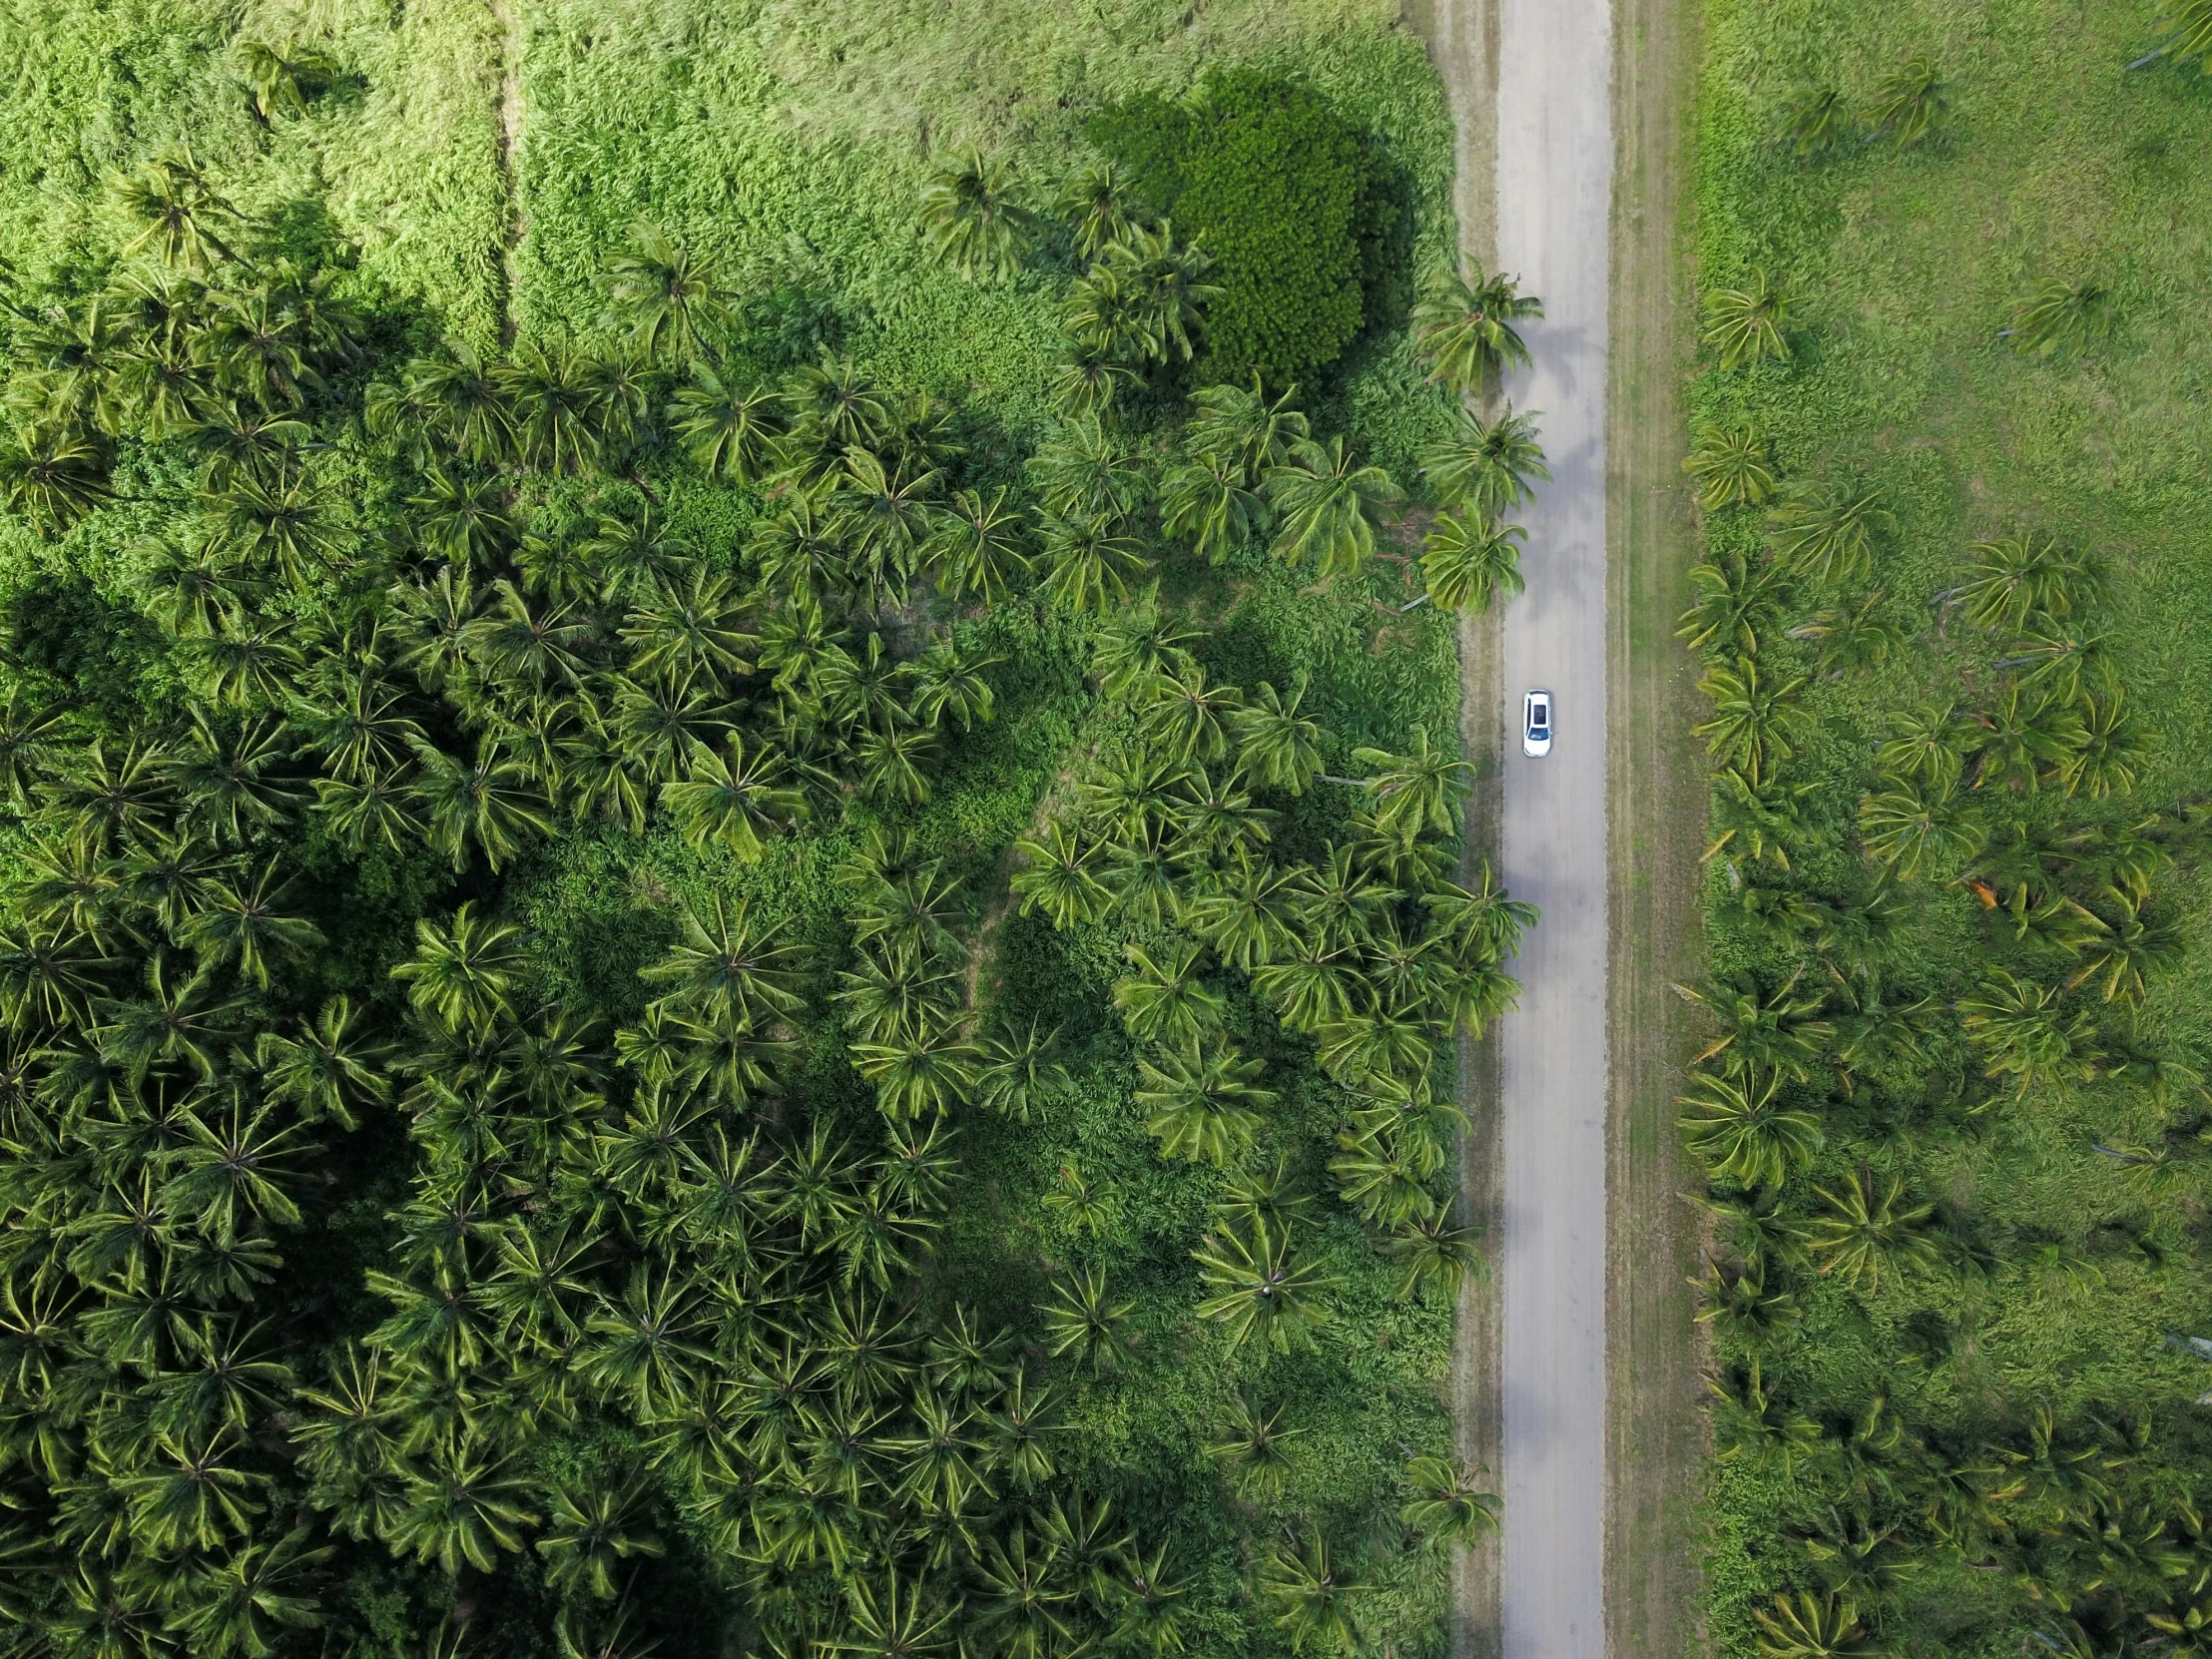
(1932, 1382)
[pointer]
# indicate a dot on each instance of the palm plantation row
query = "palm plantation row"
(1938, 930)
(661, 1284)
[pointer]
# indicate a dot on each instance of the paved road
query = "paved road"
(1554, 181)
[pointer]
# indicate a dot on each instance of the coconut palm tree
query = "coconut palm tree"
(1467, 559)
(1090, 565)
(55, 474)
(1313, 1599)
(1754, 723)
(1100, 206)
(2024, 1032)
(732, 799)
(1202, 1104)
(1208, 502)
(1418, 791)
(979, 547)
(1164, 1001)
(671, 296)
(1465, 329)
(2058, 318)
(1081, 1319)
(1748, 325)
(1827, 534)
(1446, 1503)
(283, 76)
(1805, 1626)
(1763, 1030)
(972, 214)
(1328, 507)
(1743, 1132)
(1486, 465)
(1916, 827)
(1160, 287)
(730, 429)
(179, 210)
(1912, 105)
(1252, 1446)
(1260, 1289)
(1737, 599)
(2021, 577)
(1732, 467)
(1870, 1232)
(1060, 877)
(1816, 122)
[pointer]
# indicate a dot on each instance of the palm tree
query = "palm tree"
(1160, 289)
(1202, 1104)
(1313, 1599)
(1870, 1231)
(1258, 1288)
(554, 407)
(1418, 791)
(1059, 876)
(1912, 105)
(1741, 1130)
(1466, 329)
(670, 295)
(1486, 465)
(1252, 1447)
(1763, 1030)
(1731, 465)
(2058, 318)
(1435, 1250)
(1208, 501)
(250, 926)
(979, 547)
(973, 217)
(1165, 1002)
(1327, 506)
(1747, 325)
(179, 210)
(590, 1532)
(894, 1618)
(1101, 207)
(1828, 535)
(463, 1507)
(1446, 1503)
(737, 974)
(1736, 600)
(1090, 565)
(1277, 746)
(284, 77)
(2188, 27)
(732, 430)
(1753, 723)
(732, 799)
(1083, 1320)
(1467, 559)
(55, 474)
(2024, 1033)
(1916, 827)
(1808, 1627)
(1814, 122)
(2019, 577)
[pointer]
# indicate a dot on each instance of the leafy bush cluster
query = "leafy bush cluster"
(1290, 199)
(1951, 1119)
(339, 1231)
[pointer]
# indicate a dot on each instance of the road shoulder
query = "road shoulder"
(1656, 1435)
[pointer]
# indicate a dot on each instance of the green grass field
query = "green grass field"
(2027, 1272)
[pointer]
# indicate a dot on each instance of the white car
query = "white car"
(1536, 731)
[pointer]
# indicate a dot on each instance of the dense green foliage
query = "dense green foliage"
(1289, 197)
(662, 986)
(1954, 1115)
